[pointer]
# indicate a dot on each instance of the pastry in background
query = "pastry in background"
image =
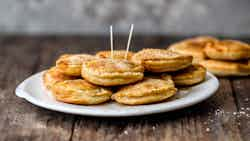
(161, 60)
(194, 47)
(189, 76)
(117, 54)
(228, 50)
(71, 64)
(227, 68)
(111, 72)
(80, 92)
(53, 76)
(149, 90)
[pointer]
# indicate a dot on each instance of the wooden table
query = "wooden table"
(224, 116)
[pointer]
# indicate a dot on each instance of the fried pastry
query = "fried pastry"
(117, 54)
(227, 68)
(194, 47)
(110, 72)
(149, 90)
(228, 50)
(79, 91)
(189, 76)
(161, 60)
(202, 39)
(71, 64)
(52, 76)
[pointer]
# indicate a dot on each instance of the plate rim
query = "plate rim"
(20, 92)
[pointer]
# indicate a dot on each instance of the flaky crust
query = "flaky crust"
(80, 92)
(161, 60)
(228, 50)
(227, 68)
(194, 47)
(71, 64)
(52, 76)
(117, 54)
(150, 90)
(109, 72)
(189, 76)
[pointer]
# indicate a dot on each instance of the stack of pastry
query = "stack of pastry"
(148, 76)
(221, 57)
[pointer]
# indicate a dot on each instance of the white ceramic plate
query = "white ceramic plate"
(32, 90)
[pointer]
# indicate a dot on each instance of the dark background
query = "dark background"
(230, 18)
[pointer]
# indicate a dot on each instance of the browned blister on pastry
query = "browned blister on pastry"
(227, 68)
(53, 76)
(228, 50)
(71, 64)
(80, 91)
(111, 72)
(161, 60)
(194, 47)
(149, 90)
(189, 76)
(117, 54)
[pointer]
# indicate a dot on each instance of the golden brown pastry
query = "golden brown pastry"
(117, 54)
(150, 90)
(110, 72)
(189, 76)
(52, 76)
(202, 40)
(80, 91)
(71, 64)
(194, 47)
(161, 60)
(228, 50)
(227, 68)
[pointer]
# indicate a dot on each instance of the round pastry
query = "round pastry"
(161, 60)
(109, 72)
(52, 76)
(117, 54)
(80, 91)
(71, 64)
(227, 68)
(203, 39)
(194, 47)
(228, 50)
(189, 76)
(149, 90)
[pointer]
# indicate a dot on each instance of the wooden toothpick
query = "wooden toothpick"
(129, 40)
(111, 41)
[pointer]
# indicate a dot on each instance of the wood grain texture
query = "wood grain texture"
(241, 88)
(20, 57)
(20, 120)
(199, 122)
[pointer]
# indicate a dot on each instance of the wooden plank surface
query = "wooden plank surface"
(241, 88)
(224, 116)
(20, 120)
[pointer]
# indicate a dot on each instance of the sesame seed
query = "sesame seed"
(126, 132)
(153, 127)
